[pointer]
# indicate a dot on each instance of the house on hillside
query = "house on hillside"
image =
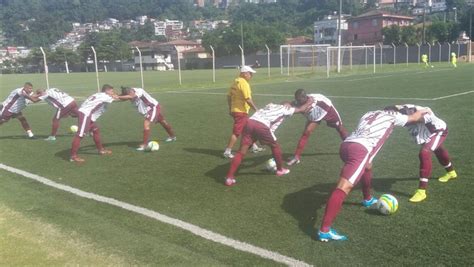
(326, 30)
(367, 28)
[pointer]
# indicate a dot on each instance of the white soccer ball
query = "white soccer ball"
(387, 204)
(271, 165)
(73, 128)
(152, 146)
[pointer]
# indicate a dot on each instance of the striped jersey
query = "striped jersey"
(57, 98)
(375, 127)
(272, 115)
(422, 131)
(319, 108)
(143, 101)
(15, 102)
(95, 105)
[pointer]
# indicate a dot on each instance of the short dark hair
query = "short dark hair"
(125, 90)
(29, 84)
(106, 87)
(300, 92)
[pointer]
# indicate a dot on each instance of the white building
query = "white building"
(325, 30)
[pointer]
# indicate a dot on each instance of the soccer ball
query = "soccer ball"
(432, 66)
(152, 146)
(271, 165)
(73, 128)
(387, 204)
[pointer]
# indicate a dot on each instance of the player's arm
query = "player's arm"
(229, 103)
(251, 103)
(418, 116)
(33, 97)
(305, 107)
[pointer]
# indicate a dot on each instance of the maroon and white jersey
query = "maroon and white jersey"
(272, 115)
(319, 108)
(57, 98)
(143, 101)
(375, 127)
(423, 131)
(95, 105)
(15, 102)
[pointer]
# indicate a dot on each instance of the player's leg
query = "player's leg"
(83, 125)
(355, 157)
(240, 120)
(55, 125)
(245, 143)
(94, 129)
(146, 134)
(333, 120)
(308, 130)
(25, 125)
(161, 119)
(443, 158)
(366, 181)
(425, 173)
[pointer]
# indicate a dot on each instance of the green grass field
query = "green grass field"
(40, 225)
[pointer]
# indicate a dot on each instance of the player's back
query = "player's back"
(15, 101)
(58, 98)
(272, 115)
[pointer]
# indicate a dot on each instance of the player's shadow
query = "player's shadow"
(37, 137)
(304, 204)
(206, 151)
(250, 161)
(92, 150)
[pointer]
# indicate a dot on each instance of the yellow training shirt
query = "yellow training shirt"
(239, 92)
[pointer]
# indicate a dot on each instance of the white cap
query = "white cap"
(247, 69)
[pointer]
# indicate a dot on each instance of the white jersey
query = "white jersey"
(375, 127)
(57, 98)
(272, 115)
(15, 102)
(422, 131)
(95, 105)
(319, 108)
(143, 101)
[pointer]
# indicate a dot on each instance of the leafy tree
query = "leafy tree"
(392, 34)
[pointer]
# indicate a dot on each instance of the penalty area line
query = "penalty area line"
(196, 230)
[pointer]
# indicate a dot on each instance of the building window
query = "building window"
(355, 24)
(355, 37)
(374, 22)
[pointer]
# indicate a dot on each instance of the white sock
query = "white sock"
(228, 150)
(30, 133)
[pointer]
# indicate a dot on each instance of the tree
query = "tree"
(392, 34)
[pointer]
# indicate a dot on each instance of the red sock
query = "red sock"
(24, 123)
(342, 132)
(301, 144)
(54, 130)
(96, 137)
(276, 151)
(146, 136)
(425, 163)
(168, 128)
(366, 180)
(234, 165)
(76, 142)
(443, 158)
(333, 207)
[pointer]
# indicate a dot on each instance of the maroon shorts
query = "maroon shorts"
(254, 131)
(332, 118)
(154, 114)
(69, 110)
(7, 115)
(436, 140)
(85, 124)
(355, 157)
(240, 120)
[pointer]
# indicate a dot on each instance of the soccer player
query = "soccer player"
(357, 152)
(261, 126)
(424, 59)
(454, 60)
(150, 108)
(15, 103)
(321, 109)
(239, 100)
(65, 106)
(430, 133)
(91, 109)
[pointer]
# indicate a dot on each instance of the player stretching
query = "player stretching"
(148, 106)
(15, 103)
(64, 104)
(261, 126)
(430, 134)
(321, 109)
(239, 100)
(357, 152)
(94, 106)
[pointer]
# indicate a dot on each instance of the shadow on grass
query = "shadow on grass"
(303, 205)
(206, 151)
(36, 137)
(92, 150)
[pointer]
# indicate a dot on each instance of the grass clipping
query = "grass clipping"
(24, 241)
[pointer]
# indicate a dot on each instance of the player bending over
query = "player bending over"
(94, 106)
(430, 133)
(151, 109)
(15, 103)
(261, 126)
(357, 152)
(65, 106)
(321, 109)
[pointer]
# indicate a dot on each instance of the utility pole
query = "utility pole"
(424, 20)
(339, 38)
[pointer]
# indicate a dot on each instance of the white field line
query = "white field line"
(453, 95)
(196, 230)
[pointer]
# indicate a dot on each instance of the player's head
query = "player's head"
(40, 92)
(28, 87)
(300, 96)
(246, 72)
(125, 90)
(453, 54)
(108, 89)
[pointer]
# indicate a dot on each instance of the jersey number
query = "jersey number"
(371, 118)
